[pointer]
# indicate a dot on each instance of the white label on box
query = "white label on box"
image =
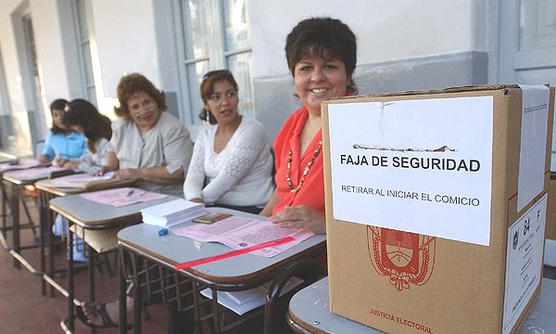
(523, 261)
(421, 166)
(532, 154)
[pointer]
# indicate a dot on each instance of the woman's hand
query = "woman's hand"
(128, 173)
(59, 162)
(303, 217)
(73, 164)
(101, 171)
(44, 159)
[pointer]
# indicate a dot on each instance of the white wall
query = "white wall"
(386, 30)
(124, 40)
(51, 64)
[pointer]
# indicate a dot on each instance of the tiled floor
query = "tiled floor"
(24, 310)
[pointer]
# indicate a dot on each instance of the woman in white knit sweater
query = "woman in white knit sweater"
(231, 164)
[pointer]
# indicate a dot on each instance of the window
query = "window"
(215, 36)
(84, 48)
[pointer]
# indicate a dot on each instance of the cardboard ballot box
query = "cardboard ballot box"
(436, 204)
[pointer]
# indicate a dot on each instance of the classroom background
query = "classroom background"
(81, 48)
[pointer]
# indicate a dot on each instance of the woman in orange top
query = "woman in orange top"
(321, 55)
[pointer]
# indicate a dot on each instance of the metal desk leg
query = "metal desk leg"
(136, 296)
(4, 208)
(71, 319)
(215, 311)
(122, 290)
(91, 269)
(50, 245)
(14, 205)
(43, 212)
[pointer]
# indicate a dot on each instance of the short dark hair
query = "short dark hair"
(134, 83)
(325, 37)
(207, 88)
(58, 104)
(95, 125)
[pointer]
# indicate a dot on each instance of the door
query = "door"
(527, 55)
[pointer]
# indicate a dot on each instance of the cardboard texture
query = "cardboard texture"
(551, 222)
(456, 287)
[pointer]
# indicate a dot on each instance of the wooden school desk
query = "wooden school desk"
(309, 313)
(90, 215)
(15, 182)
(48, 190)
(141, 242)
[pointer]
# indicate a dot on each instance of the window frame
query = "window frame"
(217, 54)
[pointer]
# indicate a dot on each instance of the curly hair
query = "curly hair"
(133, 83)
(325, 37)
(95, 125)
(207, 88)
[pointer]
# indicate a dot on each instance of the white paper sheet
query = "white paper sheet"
(379, 152)
(532, 156)
(242, 302)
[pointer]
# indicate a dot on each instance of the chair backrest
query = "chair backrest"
(37, 150)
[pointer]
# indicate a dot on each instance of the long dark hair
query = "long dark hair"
(58, 104)
(95, 125)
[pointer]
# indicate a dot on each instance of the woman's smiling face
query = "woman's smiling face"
(317, 79)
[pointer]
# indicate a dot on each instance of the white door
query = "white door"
(527, 55)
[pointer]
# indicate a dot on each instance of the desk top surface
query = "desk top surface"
(91, 214)
(31, 175)
(171, 250)
(309, 308)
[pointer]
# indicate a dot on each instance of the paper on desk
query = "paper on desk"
(242, 302)
(80, 180)
(238, 233)
(35, 173)
(22, 165)
(122, 196)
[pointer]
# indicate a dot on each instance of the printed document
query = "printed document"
(81, 181)
(239, 233)
(122, 196)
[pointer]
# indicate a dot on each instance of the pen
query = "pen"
(129, 193)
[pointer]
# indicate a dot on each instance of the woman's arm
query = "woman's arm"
(241, 157)
(158, 175)
(112, 164)
(267, 211)
(195, 178)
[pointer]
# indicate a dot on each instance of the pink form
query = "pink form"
(238, 233)
(80, 179)
(122, 196)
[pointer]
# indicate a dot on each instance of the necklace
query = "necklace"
(305, 171)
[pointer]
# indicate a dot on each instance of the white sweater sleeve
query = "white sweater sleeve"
(195, 177)
(240, 158)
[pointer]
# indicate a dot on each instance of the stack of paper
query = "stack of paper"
(242, 302)
(172, 213)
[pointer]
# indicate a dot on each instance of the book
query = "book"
(172, 213)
